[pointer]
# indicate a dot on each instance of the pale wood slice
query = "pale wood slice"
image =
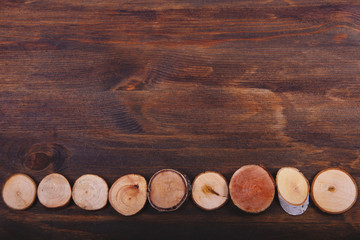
(54, 191)
(90, 192)
(210, 190)
(19, 191)
(252, 188)
(334, 191)
(168, 189)
(293, 190)
(128, 194)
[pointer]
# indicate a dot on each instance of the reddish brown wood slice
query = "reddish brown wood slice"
(168, 189)
(252, 188)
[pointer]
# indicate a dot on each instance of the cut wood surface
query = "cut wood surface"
(168, 190)
(252, 188)
(113, 87)
(210, 190)
(293, 190)
(334, 191)
(128, 194)
(90, 192)
(54, 191)
(19, 191)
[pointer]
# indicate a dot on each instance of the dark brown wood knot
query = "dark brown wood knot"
(41, 156)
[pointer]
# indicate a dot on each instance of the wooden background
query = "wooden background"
(112, 87)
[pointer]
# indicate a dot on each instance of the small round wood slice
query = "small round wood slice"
(168, 189)
(334, 191)
(210, 190)
(293, 190)
(90, 192)
(19, 191)
(128, 194)
(252, 188)
(54, 191)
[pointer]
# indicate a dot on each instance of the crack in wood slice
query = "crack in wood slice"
(90, 192)
(128, 194)
(293, 190)
(334, 191)
(210, 190)
(54, 191)
(19, 191)
(168, 189)
(252, 188)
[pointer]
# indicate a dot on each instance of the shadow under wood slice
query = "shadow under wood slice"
(19, 191)
(252, 188)
(168, 189)
(293, 190)
(128, 194)
(334, 191)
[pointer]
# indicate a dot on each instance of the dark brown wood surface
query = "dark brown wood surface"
(112, 87)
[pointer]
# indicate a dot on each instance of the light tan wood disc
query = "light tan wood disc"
(168, 189)
(334, 191)
(90, 192)
(54, 191)
(128, 194)
(252, 188)
(293, 190)
(19, 191)
(210, 190)
(292, 185)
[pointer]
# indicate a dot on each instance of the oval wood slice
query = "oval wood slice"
(334, 191)
(168, 189)
(252, 188)
(54, 191)
(210, 190)
(293, 190)
(90, 192)
(19, 191)
(128, 194)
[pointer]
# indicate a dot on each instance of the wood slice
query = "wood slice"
(334, 191)
(128, 194)
(293, 190)
(252, 188)
(168, 189)
(54, 191)
(210, 190)
(90, 192)
(19, 191)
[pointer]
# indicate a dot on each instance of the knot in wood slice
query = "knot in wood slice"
(40, 156)
(128, 194)
(19, 192)
(252, 188)
(334, 191)
(54, 191)
(210, 190)
(168, 189)
(90, 192)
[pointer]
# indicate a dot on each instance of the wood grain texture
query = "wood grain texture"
(117, 87)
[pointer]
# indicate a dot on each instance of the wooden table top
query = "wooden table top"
(112, 87)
